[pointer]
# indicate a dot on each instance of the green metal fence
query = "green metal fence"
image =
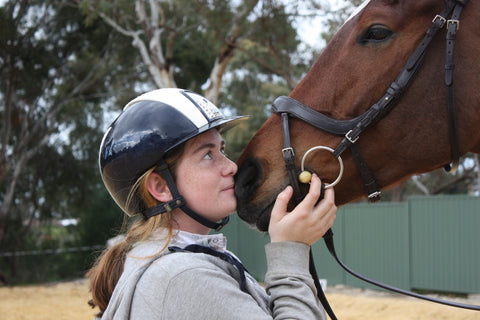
(426, 243)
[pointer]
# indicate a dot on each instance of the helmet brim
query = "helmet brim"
(223, 125)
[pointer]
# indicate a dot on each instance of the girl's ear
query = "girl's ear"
(157, 186)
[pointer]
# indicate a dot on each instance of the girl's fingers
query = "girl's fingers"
(327, 204)
(313, 193)
(307, 222)
(330, 195)
(280, 207)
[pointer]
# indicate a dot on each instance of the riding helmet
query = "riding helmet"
(147, 128)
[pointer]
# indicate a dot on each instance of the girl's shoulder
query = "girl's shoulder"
(172, 263)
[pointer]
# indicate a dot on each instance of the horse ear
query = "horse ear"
(158, 188)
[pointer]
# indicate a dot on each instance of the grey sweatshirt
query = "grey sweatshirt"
(157, 284)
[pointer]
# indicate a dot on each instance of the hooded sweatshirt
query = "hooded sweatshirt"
(158, 283)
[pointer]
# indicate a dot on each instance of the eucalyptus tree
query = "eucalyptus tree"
(54, 75)
(191, 44)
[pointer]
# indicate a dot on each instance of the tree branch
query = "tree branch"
(226, 52)
(420, 185)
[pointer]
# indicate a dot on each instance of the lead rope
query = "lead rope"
(313, 272)
(289, 157)
(328, 238)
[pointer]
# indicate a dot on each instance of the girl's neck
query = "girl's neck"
(185, 223)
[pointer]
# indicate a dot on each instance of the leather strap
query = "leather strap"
(289, 159)
(179, 202)
(452, 27)
(328, 238)
(368, 178)
(225, 256)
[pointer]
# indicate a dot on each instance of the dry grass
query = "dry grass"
(69, 301)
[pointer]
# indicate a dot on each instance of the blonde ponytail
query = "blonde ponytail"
(108, 267)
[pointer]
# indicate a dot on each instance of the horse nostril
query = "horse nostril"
(248, 176)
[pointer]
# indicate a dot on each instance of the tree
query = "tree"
(167, 34)
(197, 40)
(55, 74)
(62, 72)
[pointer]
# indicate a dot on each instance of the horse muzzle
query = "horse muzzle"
(247, 181)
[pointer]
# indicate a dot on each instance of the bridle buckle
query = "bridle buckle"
(455, 22)
(374, 196)
(288, 149)
(352, 140)
(442, 19)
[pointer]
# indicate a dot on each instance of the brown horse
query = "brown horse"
(352, 74)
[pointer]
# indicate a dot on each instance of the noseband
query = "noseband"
(351, 130)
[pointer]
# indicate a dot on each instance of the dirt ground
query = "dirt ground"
(68, 300)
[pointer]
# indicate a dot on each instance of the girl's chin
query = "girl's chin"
(230, 211)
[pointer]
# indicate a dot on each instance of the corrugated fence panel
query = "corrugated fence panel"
(430, 243)
(249, 245)
(376, 244)
(445, 240)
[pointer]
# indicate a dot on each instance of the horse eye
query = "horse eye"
(374, 34)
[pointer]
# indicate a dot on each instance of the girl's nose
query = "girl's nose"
(230, 168)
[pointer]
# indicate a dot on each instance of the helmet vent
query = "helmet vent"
(209, 110)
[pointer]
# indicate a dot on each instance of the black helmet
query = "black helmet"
(148, 127)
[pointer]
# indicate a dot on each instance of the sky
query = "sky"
(310, 29)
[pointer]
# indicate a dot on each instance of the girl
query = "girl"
(163, 159)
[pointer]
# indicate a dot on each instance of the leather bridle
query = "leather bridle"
(351, 130)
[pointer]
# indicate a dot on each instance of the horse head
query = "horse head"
(352, 74)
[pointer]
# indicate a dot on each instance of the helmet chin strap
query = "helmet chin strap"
(178, 201)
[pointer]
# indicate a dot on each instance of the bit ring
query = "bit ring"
(340, 161)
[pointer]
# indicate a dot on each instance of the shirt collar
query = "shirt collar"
(214, 241)
(183, 238)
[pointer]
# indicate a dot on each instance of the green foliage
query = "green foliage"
(99, 218)
(248, 95)
(57, 75)
(335, 17)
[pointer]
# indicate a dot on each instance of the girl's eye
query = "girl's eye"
(208, 156)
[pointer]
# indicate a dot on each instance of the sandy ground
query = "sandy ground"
(69, 301)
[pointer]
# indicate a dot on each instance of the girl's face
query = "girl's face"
(204, 176)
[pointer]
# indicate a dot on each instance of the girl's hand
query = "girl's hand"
(307, 223)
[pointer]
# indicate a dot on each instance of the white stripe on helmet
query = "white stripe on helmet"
(176, 98)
